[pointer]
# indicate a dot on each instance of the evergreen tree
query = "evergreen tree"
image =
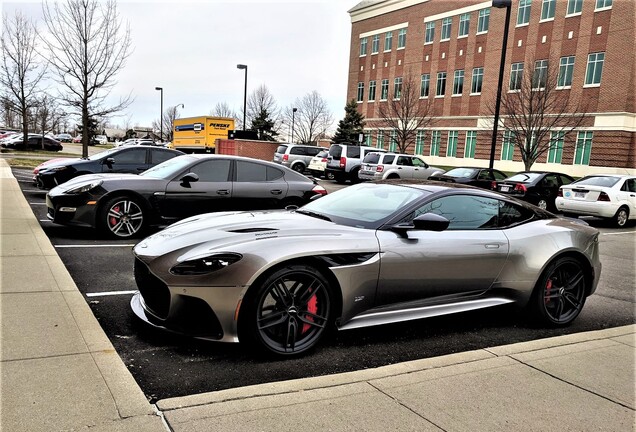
(351, 126)
(264, 125)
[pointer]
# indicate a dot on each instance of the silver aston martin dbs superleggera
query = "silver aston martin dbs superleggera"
(369, 254)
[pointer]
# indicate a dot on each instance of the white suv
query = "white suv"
(344, 161)
(379, 166)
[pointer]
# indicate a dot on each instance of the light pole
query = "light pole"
(161, 114)
(500, 4)
(242, 66)
(293, 115)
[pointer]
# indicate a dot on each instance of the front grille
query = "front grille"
(154, 292)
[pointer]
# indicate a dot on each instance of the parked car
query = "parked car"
(296, 156)
(344, 161)
(536, 187)
(484, 178)
(318, 164)
(123, 205)
(64, 138)
(34, 142)
(370, 254)
(77, 139)
(101, 139)
(378, 166)
(117, 160)
(139, 141)
(608, 196)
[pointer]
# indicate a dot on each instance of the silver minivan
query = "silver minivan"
(296, 156)
(344, 161)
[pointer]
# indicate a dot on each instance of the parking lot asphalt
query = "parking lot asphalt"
(169, 366)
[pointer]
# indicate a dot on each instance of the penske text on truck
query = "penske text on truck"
(197, 134)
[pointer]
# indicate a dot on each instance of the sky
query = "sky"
(191, 49)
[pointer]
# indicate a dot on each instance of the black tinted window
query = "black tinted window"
(510, 214)
(335, 151)
(550, 181)
(464, 211)
(353, 152)
(274, 173)
(404, 160)
(158, 156)
(281, 149)
(498, 175)
(388, 159)
(250, 172)
(565, 179)
(372, 158)
(212, 170)
(313, 151)
(298, 151)
(132, 156)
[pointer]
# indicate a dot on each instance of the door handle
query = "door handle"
(223, 192)
(491, 246)
(276, 191)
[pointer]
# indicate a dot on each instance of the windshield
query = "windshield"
(364, 205)
(168, 169)
(526, 177)
(371, 158)
(604, 181)
(461, 172)
(103, 154)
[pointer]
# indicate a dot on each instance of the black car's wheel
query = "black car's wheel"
(621, 217)
(329, 175)
(560, 293)
(290, 311)
(299, 168)
(122, 217)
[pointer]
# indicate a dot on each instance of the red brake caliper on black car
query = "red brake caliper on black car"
(113, 221)
(312, 307)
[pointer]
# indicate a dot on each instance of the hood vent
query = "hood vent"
(251, 230)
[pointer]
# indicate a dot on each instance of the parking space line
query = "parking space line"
(32, 203)
(110, 293)
(34, 191)
(93, 246)
(620, 233)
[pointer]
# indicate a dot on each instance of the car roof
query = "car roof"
(611, 175)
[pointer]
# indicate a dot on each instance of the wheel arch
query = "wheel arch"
(577, 255)
(143, 202)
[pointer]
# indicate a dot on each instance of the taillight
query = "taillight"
(603, 197)
(493, 185)
(324, 160)
(379, 168)
(343, 162)
(560, 193)
(319, 190)
(285, 157)
(521, 188)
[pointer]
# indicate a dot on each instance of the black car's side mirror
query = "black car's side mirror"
(188, 178)
(109, 161)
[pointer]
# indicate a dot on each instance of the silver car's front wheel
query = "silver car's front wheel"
(122, 217)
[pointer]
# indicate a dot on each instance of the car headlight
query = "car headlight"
(61, 168)
(205, 265)
(84, 188)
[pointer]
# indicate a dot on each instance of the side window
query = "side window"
(313, 151)
(132, 156)
(565, 180)
(484, 175)
(212, 170)
(550, 181)
(388, 159)
(463, 211)
(404, 160)
(417, 162)
(499, 175)
(250, 172)
(510, 214)
(631, 185)
(298, 151)
(274, 173)
(158, 156)
(353, 151)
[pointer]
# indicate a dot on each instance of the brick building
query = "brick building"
(454, 50)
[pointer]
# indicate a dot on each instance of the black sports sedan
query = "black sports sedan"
(536, 187)
(484, 178)
(123, 205)
(34, 142)
(118, 160)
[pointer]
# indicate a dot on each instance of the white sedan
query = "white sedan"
(609, 196)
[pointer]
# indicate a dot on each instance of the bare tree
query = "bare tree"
(312, 119)
(88, 47)
(169, 115)
(261, 99)
(22, 69)
(47, 116)
(405, 113)
(222, 109)
(538, 112)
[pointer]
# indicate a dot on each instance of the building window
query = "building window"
(478, 78)
(371, 91)
(393, 140)
(451, 150)
(508, 148)
(388, 41)
(594, 68)
(516, 76)
(363, 46)
(483, 20)
(603, 4)
(397, 88)
(574, 7)
(426, 83)
(523, 16)
(446, 28)
(458, 82)
(429, 36)
(583, 148)
(547, 9)
(367, 139)
(471, 143)
(555, 152)
(539, 74)
(436, 138)
(440, 89)
(464, 24)
(401, 38)
(384, 91)
(566, 69)
(419, 142)
(375, 44)
(360, 91)
(380, 141)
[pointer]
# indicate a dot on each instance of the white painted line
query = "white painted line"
(45, 220)
(110, 293)
(32, 203)
(34, 191)
(620, 233)
(93, 246)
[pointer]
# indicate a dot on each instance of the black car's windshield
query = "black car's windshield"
(103, 154)
(168, 169)
(461, 172)
(524, 177)
(365, 205)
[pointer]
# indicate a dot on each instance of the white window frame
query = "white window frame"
(447, 23)
(605, 6)
(483, 17)
(441, 78)
(360, 94)
(542, 67)
(458, 82)
(524, 5)
(401, 39)
(388, 36)
(375, 44)
(384, 84)
(363, 46)
(595, 65)
(428, 89)
(574, 4)
(516, 70)
(455, 137)
(478, 72)
(429, 31)
(372, 86)
(464, 26)
(563, 71)
(548, 6)
(397, 88)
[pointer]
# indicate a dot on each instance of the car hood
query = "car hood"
(233, 231)
(52, 163)
(90, 178)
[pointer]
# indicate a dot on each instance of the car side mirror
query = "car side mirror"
(109, 161)
(425, 222)
(188, 178)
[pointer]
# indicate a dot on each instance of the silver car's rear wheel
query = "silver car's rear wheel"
(290, 311)
(621, 217)
(122, 217)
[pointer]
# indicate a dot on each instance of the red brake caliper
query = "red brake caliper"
(312, 307)
(548, 287)
(113, 221)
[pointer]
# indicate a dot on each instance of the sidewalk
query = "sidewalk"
(59, 371)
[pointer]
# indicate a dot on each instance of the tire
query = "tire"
(122, 217)
(329, 175)
(560, 293)
(299, 168)
(542, 204)
(621, 217)
(353, 176)
(288, 313)
(340, 178)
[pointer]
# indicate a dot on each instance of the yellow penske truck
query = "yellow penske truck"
(197, 134)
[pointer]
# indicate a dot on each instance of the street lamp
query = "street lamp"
(161, 114)
(242, 66)
(500, 4)
(293, 115)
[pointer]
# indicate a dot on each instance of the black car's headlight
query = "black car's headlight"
(61, 168)
(205, 265)
(84, 188)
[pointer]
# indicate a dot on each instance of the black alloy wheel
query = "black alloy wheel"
(290, 312)
(560, 293)
(299, 168)
(122, 217)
